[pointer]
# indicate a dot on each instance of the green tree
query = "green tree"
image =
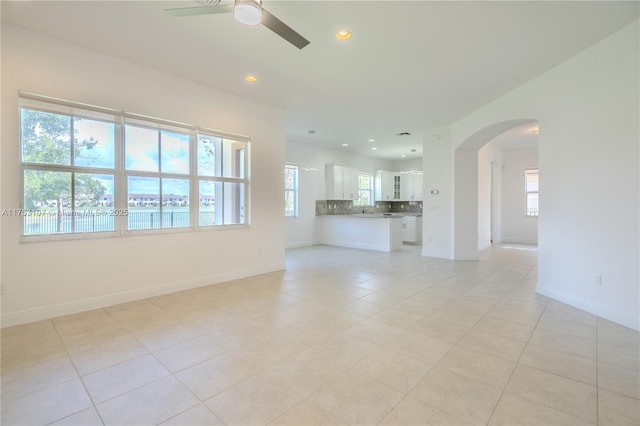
(47, 139)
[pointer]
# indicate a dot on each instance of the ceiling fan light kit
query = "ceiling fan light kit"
(248, 12)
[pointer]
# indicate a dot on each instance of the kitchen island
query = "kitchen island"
(364, 231)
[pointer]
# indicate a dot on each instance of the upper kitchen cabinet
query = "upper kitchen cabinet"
(412, 186)
(387, 186)
(342, 182)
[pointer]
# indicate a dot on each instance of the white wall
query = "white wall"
(516, 226)
(302, 230)
(406, 165)
(466, 200)
(437, 211)
(45, 279)
(588, 111)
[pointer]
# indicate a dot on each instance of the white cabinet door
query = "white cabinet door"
(409, 232)
(387, 186)
(342, 182)
(412, 187)
(334, 177)
(412, 229)
(350, 183)
(379, 193)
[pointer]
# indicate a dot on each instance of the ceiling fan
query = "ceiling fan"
(248, 12)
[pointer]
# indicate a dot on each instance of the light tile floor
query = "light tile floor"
(342, 337)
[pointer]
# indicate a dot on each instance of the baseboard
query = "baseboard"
(354, 245)
(300, 244)
(466, 256)
(519, 241)
(436, 254)
(605, 312)
(52, 311)
(484, 246)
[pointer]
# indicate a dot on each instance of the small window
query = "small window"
(531, 189)
(223, 180)
(290, 190)
(365, 190)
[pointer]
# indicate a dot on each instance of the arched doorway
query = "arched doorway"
(475, 205)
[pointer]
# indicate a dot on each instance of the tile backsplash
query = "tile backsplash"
(334, 207)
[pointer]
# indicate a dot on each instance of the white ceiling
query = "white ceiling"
(409, 65)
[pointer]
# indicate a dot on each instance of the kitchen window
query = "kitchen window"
(365, 190)
(91, 170)
(290, 190)
(531, 190)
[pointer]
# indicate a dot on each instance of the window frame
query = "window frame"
(530, 212)
(120, 173)
(159, 127)
(294, 190)
(223, 180)
(370, 190)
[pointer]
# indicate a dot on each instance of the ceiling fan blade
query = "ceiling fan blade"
(199, 10)
(283, 30)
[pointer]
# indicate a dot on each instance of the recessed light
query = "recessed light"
(403, 155)
(251, 78)
(372, 140)
(374, 148)
(343, 35)
(345, 144)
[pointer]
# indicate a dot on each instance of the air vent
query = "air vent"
(403, 134)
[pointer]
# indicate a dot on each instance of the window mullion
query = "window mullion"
(121, 200)
(73, 203)
(72, 121)
(194, 182)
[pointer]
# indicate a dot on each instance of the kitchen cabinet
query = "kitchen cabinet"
(387, 186)
(411, 187)
(342, 182)
(412, 229)
(369, 232)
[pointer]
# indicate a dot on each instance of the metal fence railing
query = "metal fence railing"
(46, 223)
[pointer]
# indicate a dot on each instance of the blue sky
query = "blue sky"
(101, 154)
(141, 150)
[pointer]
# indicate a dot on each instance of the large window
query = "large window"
(531, 188)
(157, 170)
(89, 170)
(365, 190)
(290, 190)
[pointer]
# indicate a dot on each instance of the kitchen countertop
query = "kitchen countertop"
(375, 215)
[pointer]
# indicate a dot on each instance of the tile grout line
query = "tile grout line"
(84, 386)
(493, 412)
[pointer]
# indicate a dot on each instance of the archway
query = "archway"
(466, 201)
